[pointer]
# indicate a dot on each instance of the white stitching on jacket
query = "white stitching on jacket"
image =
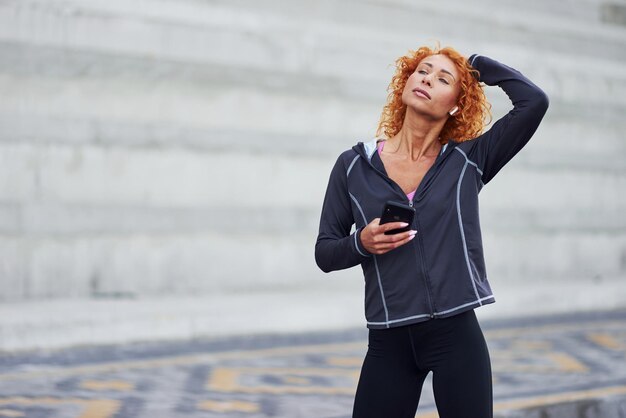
(380, 284)
(458, 211)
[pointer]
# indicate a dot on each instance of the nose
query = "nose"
(427, 79)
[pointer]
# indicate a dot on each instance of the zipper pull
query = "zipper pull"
(410, 203)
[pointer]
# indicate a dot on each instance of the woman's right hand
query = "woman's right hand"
(375, 241)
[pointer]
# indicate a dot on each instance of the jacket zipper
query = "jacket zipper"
(422, 258)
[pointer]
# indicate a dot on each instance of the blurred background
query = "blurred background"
(163, 163)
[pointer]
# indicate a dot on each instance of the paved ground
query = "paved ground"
(536, 362)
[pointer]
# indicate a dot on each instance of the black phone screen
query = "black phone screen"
(397, 212)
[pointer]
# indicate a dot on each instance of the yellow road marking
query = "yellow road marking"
(553, 362)
(295, 380)
(182, 360)
(558, 398)
(568, 363)
(118, 385)
(345, 361)
(229, 406)
(534, 330)
(605, 340)
(532, 345)
(10, 413)
(94, 408)
(226, 379)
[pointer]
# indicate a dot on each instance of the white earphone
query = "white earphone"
(453, 111)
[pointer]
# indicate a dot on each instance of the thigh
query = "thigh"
(390, 383)
(462, 382)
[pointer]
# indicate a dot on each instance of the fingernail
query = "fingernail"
(411, 237)
(412, 232)
(404, 224)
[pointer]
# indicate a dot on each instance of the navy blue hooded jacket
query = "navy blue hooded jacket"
(442, 271)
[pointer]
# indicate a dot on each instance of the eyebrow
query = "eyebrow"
(442, 70)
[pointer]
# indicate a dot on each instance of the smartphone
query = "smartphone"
(397, 212)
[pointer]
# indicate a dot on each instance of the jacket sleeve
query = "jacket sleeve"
(336, 248)
(509, 134)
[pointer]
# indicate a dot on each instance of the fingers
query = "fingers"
(377, 242)
(392, 225)
(386, 243)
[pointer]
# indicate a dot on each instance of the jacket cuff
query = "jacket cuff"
(358, 245)
(472, 62)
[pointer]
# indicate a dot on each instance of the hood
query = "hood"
(366, 149)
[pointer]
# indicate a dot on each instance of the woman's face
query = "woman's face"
(433, 88)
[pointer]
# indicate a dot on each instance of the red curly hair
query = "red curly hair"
(474, 110)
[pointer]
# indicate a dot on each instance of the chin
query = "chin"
(424, 112)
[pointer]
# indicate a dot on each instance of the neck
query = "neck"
(418, 137)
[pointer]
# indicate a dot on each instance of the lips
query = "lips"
(418, 90)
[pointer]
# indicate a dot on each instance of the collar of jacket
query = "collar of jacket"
(367, 149)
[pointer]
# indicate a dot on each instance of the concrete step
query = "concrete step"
(138, 177)
(77, 221)
(136, 264)
(302, 38)
(564, 78)
(113, 107)
(561, 143)
(331, 303)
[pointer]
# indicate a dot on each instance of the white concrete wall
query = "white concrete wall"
(183, 147)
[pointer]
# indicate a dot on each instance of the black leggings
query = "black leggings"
(398, 360)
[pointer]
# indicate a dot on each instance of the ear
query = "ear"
(453, 110)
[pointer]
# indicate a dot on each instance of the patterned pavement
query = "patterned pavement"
(536, 361)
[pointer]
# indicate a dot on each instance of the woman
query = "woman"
(422, 285)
